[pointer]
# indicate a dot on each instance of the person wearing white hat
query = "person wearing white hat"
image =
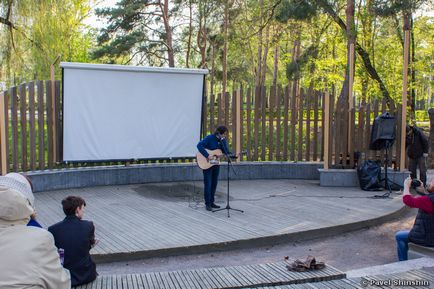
(29, 258)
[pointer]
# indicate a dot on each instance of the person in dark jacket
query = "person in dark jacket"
(76, 237)
(417, 152)
(217, 140)
(422, 232)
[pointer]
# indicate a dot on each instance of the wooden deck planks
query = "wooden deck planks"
(271, 274)
(224, 280)
(179, 278)
(228, 278)
(144, 224)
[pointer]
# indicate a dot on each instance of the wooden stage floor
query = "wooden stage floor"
(157, 219)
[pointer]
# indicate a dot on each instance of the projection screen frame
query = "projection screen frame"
(127, 68)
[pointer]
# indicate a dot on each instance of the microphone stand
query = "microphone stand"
(228, 207)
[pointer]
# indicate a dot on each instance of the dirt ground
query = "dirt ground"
(353, 250)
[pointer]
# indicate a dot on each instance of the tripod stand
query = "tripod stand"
(386, 180)
(228, 207)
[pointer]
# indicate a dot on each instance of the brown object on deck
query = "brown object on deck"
(309, 264)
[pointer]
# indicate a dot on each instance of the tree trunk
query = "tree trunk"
(296, 48)
(225, 50)
(362, 53)
(264, 58)
(407, 29)
(351, 36)
(296, 82)
(168, 29)
(190, 32)
(212, 68)
(368, 43)
(259, 70)
(201, 37)
(413, 73)
(276, 64)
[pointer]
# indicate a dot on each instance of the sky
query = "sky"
(95, 21)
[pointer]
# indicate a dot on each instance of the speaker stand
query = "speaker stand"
(386, 178)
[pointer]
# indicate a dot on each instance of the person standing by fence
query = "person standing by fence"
(417, 152)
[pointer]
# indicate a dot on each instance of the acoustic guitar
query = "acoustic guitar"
(204, 163)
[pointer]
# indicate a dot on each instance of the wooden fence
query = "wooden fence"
(287, 124)
(30, 122)
(363, 117)
(269, 123)
(276, 124)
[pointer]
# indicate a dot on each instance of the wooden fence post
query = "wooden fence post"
(53, 109)
(4, 133)
(431, 137)
(404, 99)
(351, 120)
(238, 123)
(23, 121)
(326, 130)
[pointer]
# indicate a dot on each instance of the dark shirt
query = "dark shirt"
(417, 143)
(211, 142)
(76, 237)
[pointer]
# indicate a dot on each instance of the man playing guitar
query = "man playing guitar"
(211, 147)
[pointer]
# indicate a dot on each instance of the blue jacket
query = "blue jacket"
(211, 142)
(34, 223)
(76, 237)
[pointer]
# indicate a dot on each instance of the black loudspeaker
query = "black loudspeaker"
(383, 132)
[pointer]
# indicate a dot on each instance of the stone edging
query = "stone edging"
(154, 173)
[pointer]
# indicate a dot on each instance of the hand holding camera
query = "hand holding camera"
(407, 183)
(415, 183)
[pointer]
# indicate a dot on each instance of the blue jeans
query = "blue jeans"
(210, 180)
(402, 244)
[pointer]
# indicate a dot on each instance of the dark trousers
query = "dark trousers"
(414, 164)
(210, 180)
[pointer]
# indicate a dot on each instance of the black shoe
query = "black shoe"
(215, 206)
(208, 208)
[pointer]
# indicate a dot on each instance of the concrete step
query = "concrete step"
(417, 251)
(392, 268)
(408, 279)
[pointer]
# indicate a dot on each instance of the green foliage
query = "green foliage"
(135, 31)
(296, 10)
(42, 31)
(135, 34)
(422, 116)
(294, 68)
(392, 7)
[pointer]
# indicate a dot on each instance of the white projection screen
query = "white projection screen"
(116, 112)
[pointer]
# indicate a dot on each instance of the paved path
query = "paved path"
(137, 221)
